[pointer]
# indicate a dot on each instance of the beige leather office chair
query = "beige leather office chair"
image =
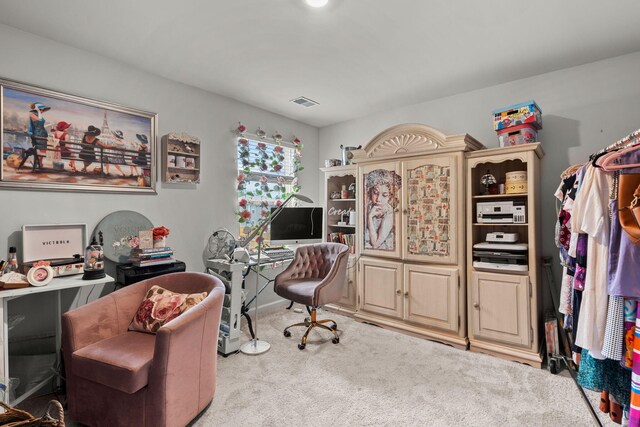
(315, 277)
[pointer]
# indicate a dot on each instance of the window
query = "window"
(267, 174)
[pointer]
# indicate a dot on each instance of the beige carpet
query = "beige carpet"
(377, 377)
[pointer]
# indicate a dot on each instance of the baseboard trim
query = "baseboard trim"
(455, 341)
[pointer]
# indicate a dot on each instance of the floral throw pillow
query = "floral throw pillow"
(161, 306)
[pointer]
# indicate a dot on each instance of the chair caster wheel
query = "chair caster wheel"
(287, 334)
(336, 340)
(301, 346)
(334, 327)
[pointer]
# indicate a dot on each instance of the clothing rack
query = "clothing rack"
(546, 263)
(632, 138)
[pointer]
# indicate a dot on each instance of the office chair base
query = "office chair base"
(311, 323)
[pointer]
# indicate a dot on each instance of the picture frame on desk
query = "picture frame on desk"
(57, 141)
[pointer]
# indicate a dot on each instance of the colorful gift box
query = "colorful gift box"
(518, 114)
(516, 135)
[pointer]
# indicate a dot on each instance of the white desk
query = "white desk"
(56, 285)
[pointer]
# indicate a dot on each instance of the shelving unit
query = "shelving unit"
(334, 209)
(174, 147)
(505, 307)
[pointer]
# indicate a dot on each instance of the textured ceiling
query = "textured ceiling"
(355, 57)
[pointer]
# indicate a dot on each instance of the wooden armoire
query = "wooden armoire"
(411, 272)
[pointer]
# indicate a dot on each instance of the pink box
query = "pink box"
(516, 135)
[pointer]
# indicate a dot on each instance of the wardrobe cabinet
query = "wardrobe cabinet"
(500, 308)
(408, 210)
(505, 306)
(411, 213)
(418, 294)
(381, 287)
(431, 296)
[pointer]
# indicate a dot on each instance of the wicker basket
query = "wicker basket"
(53, 417)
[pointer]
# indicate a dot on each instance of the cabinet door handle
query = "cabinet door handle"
(398, 291)
(350, 281)
(404, 211)
(476, 305)
(406, 294)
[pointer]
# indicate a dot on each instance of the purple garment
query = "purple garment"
(624, 259)
(581, 262)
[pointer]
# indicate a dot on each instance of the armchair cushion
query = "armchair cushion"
(161, 306)
(121, 362)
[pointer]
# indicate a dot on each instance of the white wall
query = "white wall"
(192, 212)
(584, 108)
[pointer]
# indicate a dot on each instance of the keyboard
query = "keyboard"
(278, 254)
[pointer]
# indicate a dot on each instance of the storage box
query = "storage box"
(516, 182)
(516, 135)
(518, 114)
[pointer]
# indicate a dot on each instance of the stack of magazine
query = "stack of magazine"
(154, 256)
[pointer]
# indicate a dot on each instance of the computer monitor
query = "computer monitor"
(297, 226)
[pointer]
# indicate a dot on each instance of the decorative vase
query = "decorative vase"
(160, 243)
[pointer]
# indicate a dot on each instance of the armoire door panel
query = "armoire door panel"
(430, 209)
(500, 308)
(382, 287)
(380, 219)
(431, 296)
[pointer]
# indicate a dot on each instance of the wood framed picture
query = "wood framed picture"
(55, 141)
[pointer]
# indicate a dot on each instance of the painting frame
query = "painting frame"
(50, 162)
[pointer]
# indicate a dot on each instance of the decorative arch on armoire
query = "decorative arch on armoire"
(413, 139)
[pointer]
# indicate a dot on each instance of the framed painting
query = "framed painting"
(55, 141)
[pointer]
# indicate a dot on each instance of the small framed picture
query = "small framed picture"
(146, 239)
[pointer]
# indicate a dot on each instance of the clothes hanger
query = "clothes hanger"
(571, 170)
(596, 159)
(632, 138)
(611, 163)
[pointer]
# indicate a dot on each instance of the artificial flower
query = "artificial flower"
(263, 179)
(243, 203)
(245, 214)
(159, 232)
(278, 149)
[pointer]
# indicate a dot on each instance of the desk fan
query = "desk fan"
(220, 245)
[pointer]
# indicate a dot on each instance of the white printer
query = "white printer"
(501, 251)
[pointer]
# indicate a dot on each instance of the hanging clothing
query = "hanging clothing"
(591, 208)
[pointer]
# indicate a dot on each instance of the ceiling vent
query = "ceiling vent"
(305, 102)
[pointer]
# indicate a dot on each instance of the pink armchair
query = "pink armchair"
(117, 377)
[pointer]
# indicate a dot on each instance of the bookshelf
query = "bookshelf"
(340, 224)
(180, 158)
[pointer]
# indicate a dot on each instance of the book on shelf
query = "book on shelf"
(157, 255)
(345, 239)
(151, 250)
(148, 263)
